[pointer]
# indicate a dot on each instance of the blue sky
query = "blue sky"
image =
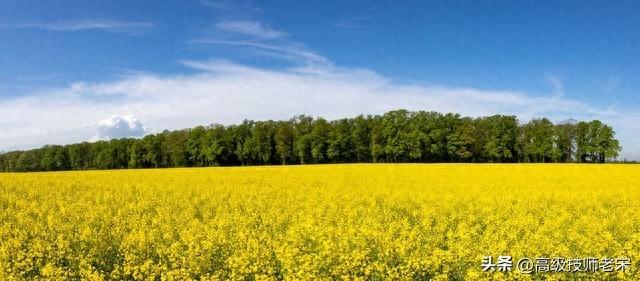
(70, 69)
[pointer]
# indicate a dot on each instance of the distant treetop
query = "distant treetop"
(396, 136)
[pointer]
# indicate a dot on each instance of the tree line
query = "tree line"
(394, 137)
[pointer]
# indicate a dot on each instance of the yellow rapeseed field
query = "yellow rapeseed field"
(325, 222)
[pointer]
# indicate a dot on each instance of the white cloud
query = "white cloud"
(227, 93)
(110, 26)
(120, 127)
(254, 29)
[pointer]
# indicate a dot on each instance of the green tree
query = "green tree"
(396, 136)
(564, 142)
(361, 136)
(302, 138)
(501, 132)
(538, 140)
(596, 142)
(284, 142)
(318, 140)
(461, 140)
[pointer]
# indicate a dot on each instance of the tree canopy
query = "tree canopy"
(396, 136)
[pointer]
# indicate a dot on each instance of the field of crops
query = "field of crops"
(325, 222)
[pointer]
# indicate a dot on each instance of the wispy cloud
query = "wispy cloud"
(291, 52)
(263, 40)
(356, 22)
(239, 28)
(557, 84)
(250, 28)
(109, 26)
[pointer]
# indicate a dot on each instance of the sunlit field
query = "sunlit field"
(325, 222)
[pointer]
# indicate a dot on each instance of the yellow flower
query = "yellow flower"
(321, 222)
